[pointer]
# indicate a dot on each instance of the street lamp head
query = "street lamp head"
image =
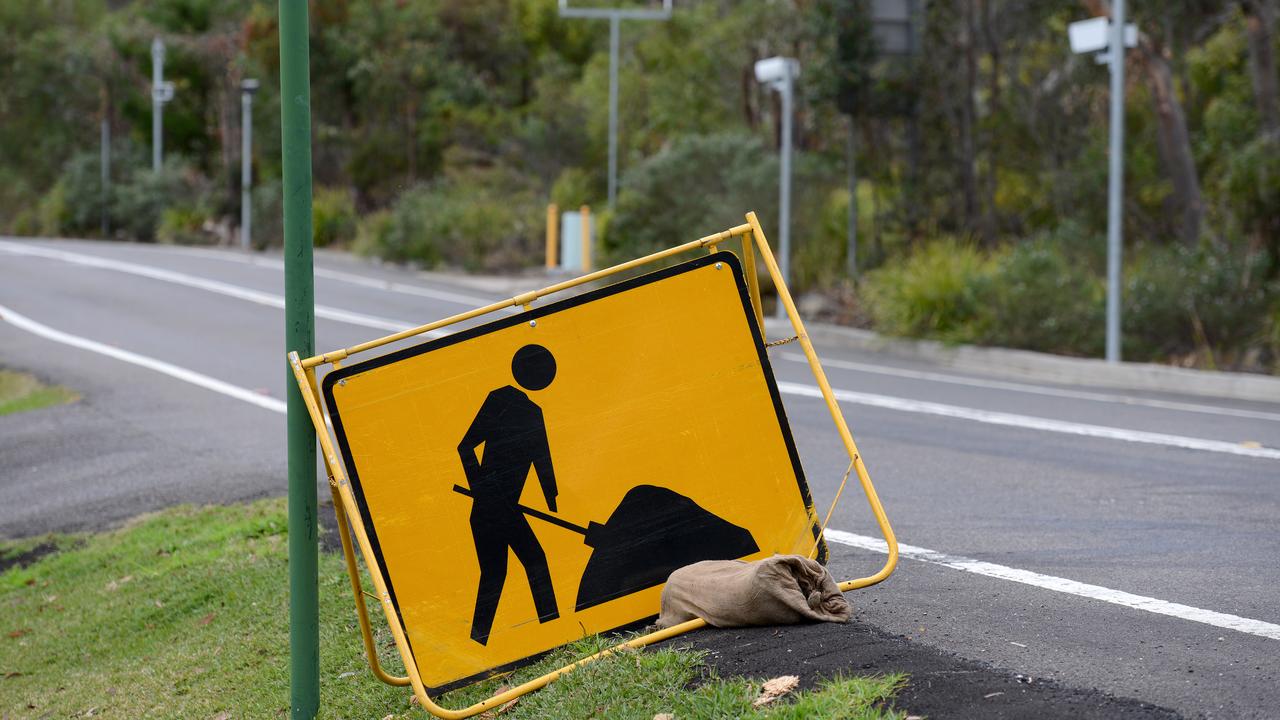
(777, 70)
(249, 86)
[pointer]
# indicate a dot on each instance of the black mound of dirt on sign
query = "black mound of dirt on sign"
(651, 533)
(939, 685)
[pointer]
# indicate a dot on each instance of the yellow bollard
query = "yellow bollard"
(553, 236)
(586, 238)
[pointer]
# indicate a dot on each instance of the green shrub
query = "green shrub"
(1037, 298)
(139, 204)
(936, 292)
(701, 184)
(486, 219)
(1179, 300)
(182, 225)
(268, 215)
(1252, 185)
(575, 187)
(372, 232)
(52, 211)
(333, 217)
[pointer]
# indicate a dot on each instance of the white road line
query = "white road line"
(1038, 389)
(25, 323)
(214, 286)
(1063, 585)
(347, 277)
(1057, 584)
(882, 401)
(1032, 423)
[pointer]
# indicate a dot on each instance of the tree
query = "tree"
(1260, 17)
(1175, 140)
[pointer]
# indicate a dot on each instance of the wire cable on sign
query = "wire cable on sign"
(836, 501)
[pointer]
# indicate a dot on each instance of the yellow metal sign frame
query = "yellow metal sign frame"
(345, 505)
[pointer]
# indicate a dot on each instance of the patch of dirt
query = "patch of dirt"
(940, 685)
(23, 559)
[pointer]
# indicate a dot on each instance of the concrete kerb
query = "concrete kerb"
(1044, 367)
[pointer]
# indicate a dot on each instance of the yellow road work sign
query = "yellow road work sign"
(536, 478)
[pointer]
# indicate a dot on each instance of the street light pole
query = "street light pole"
(615, 18)
(1115, 180)
(784, 190)
(780, 73)
(247, 88)
(161, 93)
(1114, 36)
(106, 163)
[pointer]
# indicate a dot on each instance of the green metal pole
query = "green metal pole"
(299, 313)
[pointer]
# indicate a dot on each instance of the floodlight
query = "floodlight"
(1090, 35)
(777, 69)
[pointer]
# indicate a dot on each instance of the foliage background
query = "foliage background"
(442, 127)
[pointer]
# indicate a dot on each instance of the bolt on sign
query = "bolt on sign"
(542, 475)
(518, 484)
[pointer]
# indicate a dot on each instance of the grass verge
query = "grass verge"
(22, 391)
(183, 614)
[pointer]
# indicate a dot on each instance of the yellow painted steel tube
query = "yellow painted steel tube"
(362, 611)
(753, 282)
(585, 213)
(784, 296)
(525, 298)
(348, 554)
(553, 236)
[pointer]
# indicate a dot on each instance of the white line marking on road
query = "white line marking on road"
(881, 401)
(1037, 389)
(1032, 423)
(1063, 585)
(347, 277)
(25, 323)
(214, 286)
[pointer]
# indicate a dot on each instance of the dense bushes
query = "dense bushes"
(484, 220)
(333, 216)
(1038, 298)
(1215, 304)
(173, 205)
(1176, 301)
(935, 292)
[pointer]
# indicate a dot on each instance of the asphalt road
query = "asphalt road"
(1118, 541)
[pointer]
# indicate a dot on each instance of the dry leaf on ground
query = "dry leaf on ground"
(776, 688)
(664, 716)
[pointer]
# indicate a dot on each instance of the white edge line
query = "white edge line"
(1032, 423)
(343, 276)
(1038, 389)
(881, 401)
(25, 323)
(214, 286)
(1063, 585)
